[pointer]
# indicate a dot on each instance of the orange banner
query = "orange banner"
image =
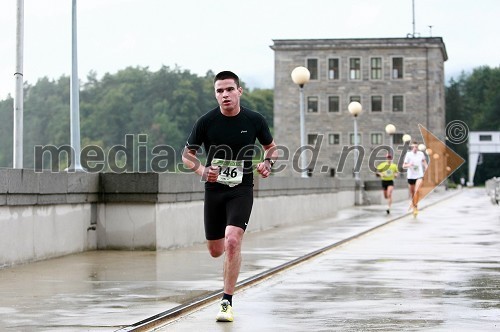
(442, 160)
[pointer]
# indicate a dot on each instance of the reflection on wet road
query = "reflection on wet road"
(438, 272)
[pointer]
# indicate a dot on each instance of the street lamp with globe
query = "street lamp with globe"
(390, 129)
(355, 109)
(300, 76)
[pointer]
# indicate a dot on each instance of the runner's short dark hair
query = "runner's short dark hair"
(226, 74)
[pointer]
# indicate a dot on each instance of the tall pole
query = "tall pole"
(75, 101)
(19, 94)
(355, 109)
(390, 129)
(302, 134)
(413, 12)
(357, 183)
(356, 152)
(300, 76)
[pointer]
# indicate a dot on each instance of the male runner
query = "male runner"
(228, 134)
(387, 172)
(416, 164)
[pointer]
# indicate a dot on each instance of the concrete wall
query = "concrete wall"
(31, 233)
(45, 215)
(373, 190)
(173, 217)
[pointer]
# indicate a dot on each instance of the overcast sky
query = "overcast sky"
(202, 35)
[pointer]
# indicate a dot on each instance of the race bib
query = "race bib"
(230, 171)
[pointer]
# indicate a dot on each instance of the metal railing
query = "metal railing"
(493, 189)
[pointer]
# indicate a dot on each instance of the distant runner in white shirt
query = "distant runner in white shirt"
(416, 165)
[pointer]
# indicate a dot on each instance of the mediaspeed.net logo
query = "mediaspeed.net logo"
(134, 156)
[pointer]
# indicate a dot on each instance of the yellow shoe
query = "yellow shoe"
(415, 211)
(225, 313)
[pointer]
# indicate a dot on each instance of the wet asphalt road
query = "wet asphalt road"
(438, 272)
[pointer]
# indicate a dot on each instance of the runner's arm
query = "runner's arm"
(270, 156)
(193, 163)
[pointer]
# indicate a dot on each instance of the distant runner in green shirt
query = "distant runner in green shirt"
(387, 172)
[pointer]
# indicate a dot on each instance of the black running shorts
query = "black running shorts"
(226, 206)
(387, 183)
(412, 181)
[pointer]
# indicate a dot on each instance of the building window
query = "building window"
(312, 104)
(333, 69)
(376, 103)
(355, 98)
(312, 65)
(351, 139)
(397, 67)
(376, 68)
(312, 138)
(397, 138)
(333, 104)
(333, 139)
(397, 104)
(485, 138)
(355, 68)
(376, 138)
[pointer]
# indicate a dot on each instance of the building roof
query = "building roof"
(350, 43)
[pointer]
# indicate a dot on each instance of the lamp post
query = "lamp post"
(19, 94)
(74, 97)
(406, 141)
(436, 156)
(355, 109)
(300, 76)
(428, 152)
(423, 148)
(406, 138)
(390, 129)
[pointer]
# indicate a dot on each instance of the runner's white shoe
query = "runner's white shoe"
(225, 312)
(415, 211)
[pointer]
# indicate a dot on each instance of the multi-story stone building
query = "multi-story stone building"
(398, 81)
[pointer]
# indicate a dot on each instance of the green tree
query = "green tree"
(475, 99)
(260, 100)
(6, 132)
(46, 115)
(161, 106)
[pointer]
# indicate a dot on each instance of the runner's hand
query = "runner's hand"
(264, 169)
(210, 173)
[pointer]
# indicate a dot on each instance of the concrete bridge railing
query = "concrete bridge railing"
(44, 215)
